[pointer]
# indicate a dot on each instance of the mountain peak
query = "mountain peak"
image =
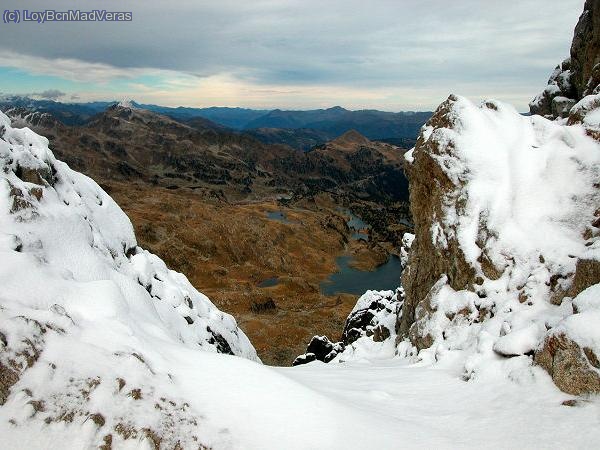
(351, 137)
(126, 104)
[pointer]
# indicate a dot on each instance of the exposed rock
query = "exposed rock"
(320, 348)
(561, 106)
(569, 365)
(304, 359)
(261, 307)
(587, 273)
(430, 190)
(578, 75)
(585, 50)
(557, 94)
(373, 318)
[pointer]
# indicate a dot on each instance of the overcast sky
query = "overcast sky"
(301, 54)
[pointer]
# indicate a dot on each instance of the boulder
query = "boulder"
(573, 369)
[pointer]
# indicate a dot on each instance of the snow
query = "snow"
(589, 109)
(407, 241)
(93, 324)
(525, 196)
(584, 326)
(429, 406)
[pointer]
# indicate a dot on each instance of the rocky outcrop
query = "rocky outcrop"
(585, 51)
(570, 352)
(430, 190)
(480, 200)
(559, 95)
(578, 75)
(372, 320)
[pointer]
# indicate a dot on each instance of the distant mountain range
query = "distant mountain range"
(337, 120)
(298, 129)
(128, 143)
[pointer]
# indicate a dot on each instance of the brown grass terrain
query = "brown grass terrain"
(226, 250)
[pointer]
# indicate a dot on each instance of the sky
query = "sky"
(391, 55)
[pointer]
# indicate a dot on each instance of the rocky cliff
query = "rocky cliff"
(579, 74)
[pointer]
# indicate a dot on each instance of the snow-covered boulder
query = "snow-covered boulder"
(558, 96)
(85, 314)
(506, 214)
(369, 331)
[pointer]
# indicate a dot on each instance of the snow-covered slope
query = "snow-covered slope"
(82, 307)
(102, 346)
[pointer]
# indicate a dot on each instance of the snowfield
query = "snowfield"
(102, 345)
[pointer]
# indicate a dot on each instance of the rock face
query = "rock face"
(578, 75)
(573, 369)
(430, 186)
(481, 199)
(585, 51)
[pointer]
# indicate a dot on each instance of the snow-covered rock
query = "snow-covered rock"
(578, 75)
(369, 331)
(506, 214)
(85, 314)
(558, 96)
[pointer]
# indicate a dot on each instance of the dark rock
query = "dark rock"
(220, 342)
(266, 306)
(304, 359)
(323, 349)
(585, 50)
(578, 75)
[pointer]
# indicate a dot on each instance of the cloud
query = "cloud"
(349, 45)
(50, 94)
(76, 69)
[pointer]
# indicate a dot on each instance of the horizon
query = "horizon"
(10, 96)
(273, 55)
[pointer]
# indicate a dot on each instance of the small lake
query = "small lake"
(279, 216)
(357, 225)
(353, 281)
(269, 282)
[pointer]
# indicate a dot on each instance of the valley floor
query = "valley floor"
(226, 250)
